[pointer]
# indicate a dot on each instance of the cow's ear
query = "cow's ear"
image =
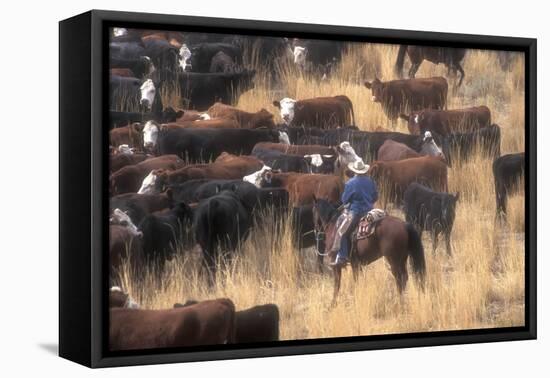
(180, 113)
(456, 196)
(299, 106)
(405, 117)
(234, 187)
(218, 189)
(307, 158)
(368, 85)
(277, 104)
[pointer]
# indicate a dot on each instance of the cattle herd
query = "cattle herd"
(206, 173)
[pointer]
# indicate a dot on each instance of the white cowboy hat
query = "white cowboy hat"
(358, 167)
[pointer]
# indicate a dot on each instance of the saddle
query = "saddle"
(367, 224)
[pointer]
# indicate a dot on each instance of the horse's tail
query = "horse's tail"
(400, 60)
(416, 252)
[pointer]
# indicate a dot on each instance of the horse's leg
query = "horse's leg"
(337, 281)
(448, 242)
(399, 271)
(462, 74)
(412, 71)
(320, 263)
(356, 269)
(435, 234)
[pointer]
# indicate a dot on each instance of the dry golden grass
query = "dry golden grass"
(480, 286)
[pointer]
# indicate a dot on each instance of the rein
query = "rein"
(320, 234)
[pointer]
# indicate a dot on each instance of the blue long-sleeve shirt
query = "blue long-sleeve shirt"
(361, 193)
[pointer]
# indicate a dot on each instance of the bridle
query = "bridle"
(320, 232)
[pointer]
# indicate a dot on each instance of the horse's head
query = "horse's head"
(325, 215)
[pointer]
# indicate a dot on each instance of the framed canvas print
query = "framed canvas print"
(234, 188)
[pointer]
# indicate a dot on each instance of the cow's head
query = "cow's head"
(125, 149)
(318, 163)
(256, 177)
(121, 218)
(150, 134)
(170, 115)
(185, 58)
(119, 298)
(346, 154)
(263, 118)
(119, 32)
(414, 121)
(148, 92)
(429, 147)
(376, 86)
(300, 56)
(283, 137)
(149, 184)
(148, 65)
(287, 109)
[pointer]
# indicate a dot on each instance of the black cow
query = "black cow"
(303, 235)
(316, 135)
(202, 90)
(141, 66)
(431, 211)
(202, 54)
(126, 50)
(204, 144)
(257, 324)
(280, 161)
(507, 171)
(162, 231)
(163, 55)
(124, 92)
(223, 63)
(119, 119)
(220, 224)
(320, 56)
(462, 146)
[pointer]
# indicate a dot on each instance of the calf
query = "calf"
(508, 171)
(221, 62)
(121, 160)
(121, 299)
(206, 323)
(445, 122)
(321, 112)
(125, 243)
(203, 54)
(141, 66)
(431, 211)
(129, 135)
(395, 176)
(246, 120)
(398, 96)
(280, 161)
(118, 119)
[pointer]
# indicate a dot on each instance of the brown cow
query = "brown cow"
(214, 123)
(322, 112)
(246, 120)
(226, 166)
(128, 179)
(121, 160)
(124, 72)
(303, 188)
(254, 325)
(394, 176)
(398, 96)
(124, 244)
(445, 122)
(206, 323)
(392, 150)
(295, 149)
(130, 135)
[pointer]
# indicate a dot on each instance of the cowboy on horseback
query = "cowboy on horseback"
(360, 194)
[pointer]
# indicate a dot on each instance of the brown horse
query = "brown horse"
(451, 57)
(393, 239)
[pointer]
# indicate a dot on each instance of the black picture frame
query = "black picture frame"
(83, 199)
